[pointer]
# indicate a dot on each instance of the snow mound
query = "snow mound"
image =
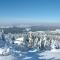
(35, 50)
(27, 58)
(4, 51)
(1, 51)
(55, 50)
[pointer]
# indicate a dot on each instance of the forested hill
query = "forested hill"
(33, 28)
(12, 30)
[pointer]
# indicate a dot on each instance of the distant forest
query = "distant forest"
(33, 28)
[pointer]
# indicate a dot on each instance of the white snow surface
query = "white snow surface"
(52, 55)
(33, 55)
(9, 57)
(4, 51)
(33, 50)
(1, 50)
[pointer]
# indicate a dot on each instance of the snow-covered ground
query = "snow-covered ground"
(33, 55)
(9, 57)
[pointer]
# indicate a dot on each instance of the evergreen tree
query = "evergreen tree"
(13, 39)
(3, 36)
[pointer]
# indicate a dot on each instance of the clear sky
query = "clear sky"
(29, 11)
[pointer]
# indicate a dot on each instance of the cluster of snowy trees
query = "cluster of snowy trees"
(39, 40)
(44, 41)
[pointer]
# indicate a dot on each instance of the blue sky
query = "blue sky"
(29, 11)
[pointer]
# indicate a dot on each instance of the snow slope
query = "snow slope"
(33, 54)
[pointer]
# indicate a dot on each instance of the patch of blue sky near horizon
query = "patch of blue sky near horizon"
(29, 20)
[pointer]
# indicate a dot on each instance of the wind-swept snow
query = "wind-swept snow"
(33, 54)
(32, 51)
(27, 58)
(52, 55)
